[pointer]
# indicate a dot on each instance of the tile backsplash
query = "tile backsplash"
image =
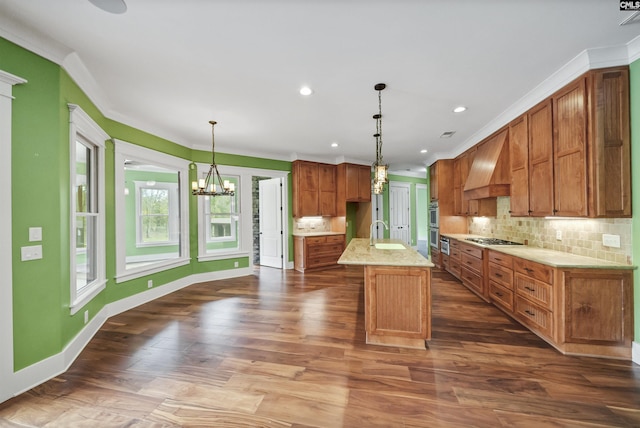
(577, 236)
(311, 224)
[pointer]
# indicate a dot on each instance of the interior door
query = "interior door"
(399, 210)
(271, 236)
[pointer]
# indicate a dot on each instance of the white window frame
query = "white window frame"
(244, 209)
(123, 151)
(234, 216)
(173, 221)
(83, 128)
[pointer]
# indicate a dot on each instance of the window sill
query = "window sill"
(151, 269)
(222, 256)
(87, 295)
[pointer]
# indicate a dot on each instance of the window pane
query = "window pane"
(83, 178)
(85, 250)
(154, 216)
(222, 220)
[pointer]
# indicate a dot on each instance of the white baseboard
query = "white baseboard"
(42, 371)
(635, 352)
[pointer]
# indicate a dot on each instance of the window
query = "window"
(221, 216)
(87, 241)
(151, 212)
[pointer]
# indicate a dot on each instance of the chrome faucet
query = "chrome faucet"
(371, 230)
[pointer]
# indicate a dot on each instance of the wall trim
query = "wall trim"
(44, 370)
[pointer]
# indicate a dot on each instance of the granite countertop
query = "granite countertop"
(545, 256)
(359, 252)
(316, 233)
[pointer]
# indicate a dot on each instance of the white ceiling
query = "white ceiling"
(168, 67)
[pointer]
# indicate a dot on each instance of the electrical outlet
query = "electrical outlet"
(86, 317)
(33, 252)
(150, 283)
(611, 240)
(559, 235)
(235, 264)
(35, 234)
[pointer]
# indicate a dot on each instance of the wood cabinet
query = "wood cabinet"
(463, 206)
(533, 296)
(313, 186)
(454, 267)
(314, 252)
(500, 276)
(397, 305)
(353, 185)
(472, 268)
(577, 143)
(531, 154)
(436, 257)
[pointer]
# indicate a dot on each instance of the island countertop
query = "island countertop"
(359, 252)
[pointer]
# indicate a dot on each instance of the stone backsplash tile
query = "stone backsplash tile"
(578, 236)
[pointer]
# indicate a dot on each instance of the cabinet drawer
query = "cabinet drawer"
(501, 275)
(471, 250)
(445, 261)
(322, 249)
(535, 317)
(501, 296)
(454, 267)
(314, 261)
(471, 279)
(454, 253)
(335, 238)
(536, 291)
(471, 262)
(501, 259)
(453, 243)
(534, 270)
(312, 240)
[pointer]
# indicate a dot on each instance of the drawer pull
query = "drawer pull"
(529, 270)
(499, 294)
(529, 289)
(528, 312)
(498, 275)
(469, 263)
(498, 259)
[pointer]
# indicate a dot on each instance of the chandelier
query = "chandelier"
(207, 186)
(380, 169)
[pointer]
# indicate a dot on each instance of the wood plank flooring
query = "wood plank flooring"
(284, 349)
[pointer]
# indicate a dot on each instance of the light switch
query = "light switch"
(611, 240)
(35, 234)
(33, 252)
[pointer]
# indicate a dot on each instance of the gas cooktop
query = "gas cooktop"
(492, 241)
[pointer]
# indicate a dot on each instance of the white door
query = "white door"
(399, 210)
(270, 205)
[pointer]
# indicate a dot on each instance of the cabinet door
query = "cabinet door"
(364, 183)
(540, 130)
(570, 145)
(306, 190)
(433, 182)
(327, 178)
(352, 183)
(519, 156)
(457, 186)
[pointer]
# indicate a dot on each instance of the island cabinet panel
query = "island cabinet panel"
(398, 305)
(598, 311)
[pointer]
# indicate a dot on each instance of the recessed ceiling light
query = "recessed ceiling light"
(423, 151)
(447, 134)
(334, 144)
(306, 91)
(111, 6)
(459, 109)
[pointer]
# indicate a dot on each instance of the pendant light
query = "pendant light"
(207, 186)
(380, 169)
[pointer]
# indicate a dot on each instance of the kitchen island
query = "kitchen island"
(397, 292)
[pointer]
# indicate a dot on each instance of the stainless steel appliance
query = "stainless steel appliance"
(434, 237)
(444, 245)
(492, 241)
(434, 215)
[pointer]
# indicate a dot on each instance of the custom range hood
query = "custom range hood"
(489, 174)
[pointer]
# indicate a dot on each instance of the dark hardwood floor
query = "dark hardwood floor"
(283, 349)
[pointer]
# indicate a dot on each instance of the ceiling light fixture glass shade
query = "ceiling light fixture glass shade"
(207, 186)
(380, 169)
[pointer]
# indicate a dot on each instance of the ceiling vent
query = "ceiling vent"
(447, 134)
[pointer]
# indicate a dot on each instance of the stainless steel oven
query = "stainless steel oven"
(434, 237)
(434, 215)
(444, 245)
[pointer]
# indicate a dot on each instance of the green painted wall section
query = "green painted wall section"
(635, 187)
(414, 205)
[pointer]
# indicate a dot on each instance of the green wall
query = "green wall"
(43, 325)
(414, 205)
(635, 186)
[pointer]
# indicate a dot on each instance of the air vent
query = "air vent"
(447, 134)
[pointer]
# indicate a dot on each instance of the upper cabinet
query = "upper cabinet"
(462, 205)
(570, 154)
(313, 189)
(353, 184)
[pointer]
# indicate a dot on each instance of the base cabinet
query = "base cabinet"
(315, 252)
(397, 306)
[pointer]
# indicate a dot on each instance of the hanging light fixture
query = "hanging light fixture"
(207, 186)
(380, 169)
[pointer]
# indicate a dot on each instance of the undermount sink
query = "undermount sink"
(389, 246)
